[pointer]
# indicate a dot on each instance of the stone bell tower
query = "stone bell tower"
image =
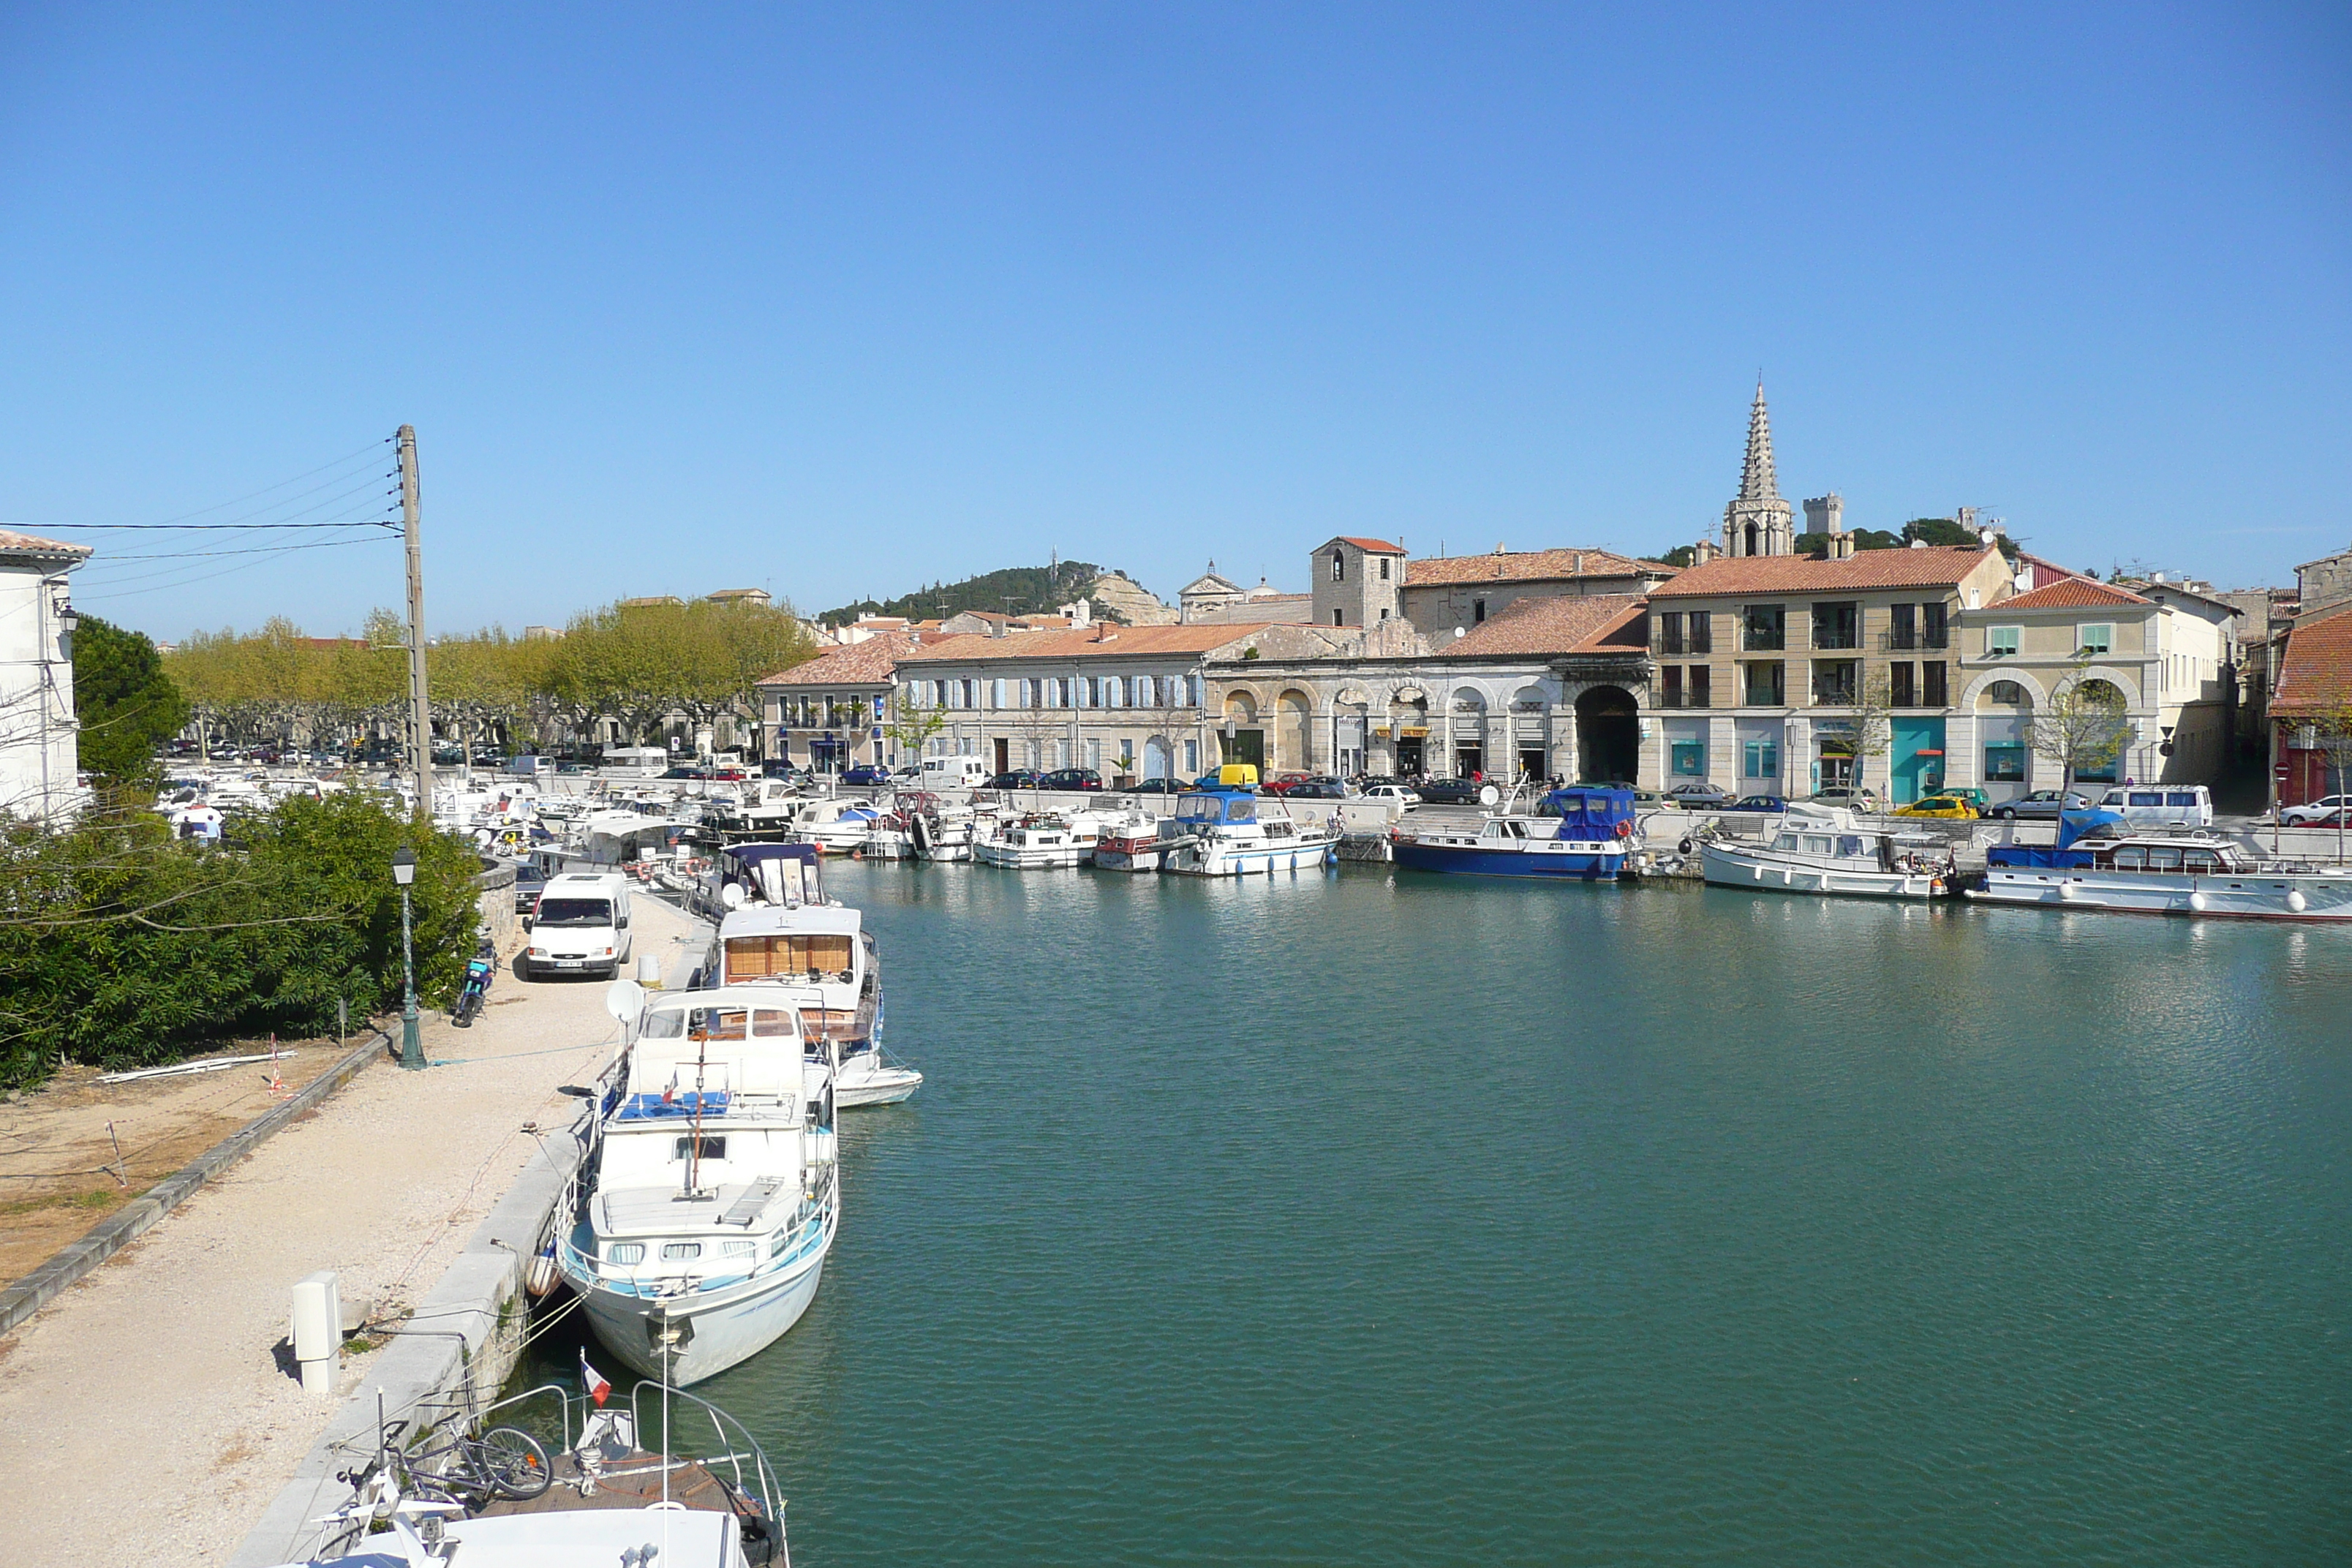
(1758, 522)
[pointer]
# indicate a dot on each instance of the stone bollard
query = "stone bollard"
(318, 1330)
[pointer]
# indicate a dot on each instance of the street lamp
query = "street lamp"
(411, 1049)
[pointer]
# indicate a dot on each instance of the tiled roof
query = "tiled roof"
(1595, 623)
(1526, 566)
(15, 543)
(2315, 675)
(2072, 592)
(867, 663)
(1377, 546)
(1087, 642)
(1931, 566)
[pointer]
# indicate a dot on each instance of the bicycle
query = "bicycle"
(475, 1472)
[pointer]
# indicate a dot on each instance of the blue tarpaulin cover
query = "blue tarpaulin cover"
(653, 1107)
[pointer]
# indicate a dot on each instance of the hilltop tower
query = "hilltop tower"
(1758, 522)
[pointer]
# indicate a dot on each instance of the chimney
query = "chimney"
(1576, 564)
(998, 624)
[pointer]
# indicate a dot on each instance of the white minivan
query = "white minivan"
(580, 926)
(2161, 806)
(954, 773)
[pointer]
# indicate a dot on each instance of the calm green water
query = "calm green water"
(1360, 1219)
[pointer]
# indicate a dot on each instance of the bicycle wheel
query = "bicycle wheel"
(514, 1462)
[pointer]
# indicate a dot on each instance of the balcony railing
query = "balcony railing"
(1916, 641)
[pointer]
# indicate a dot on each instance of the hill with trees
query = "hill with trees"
(1015, 590)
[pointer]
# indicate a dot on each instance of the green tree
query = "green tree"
(2083, 726)
(126, 703)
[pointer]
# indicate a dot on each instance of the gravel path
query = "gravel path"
(148, 1402)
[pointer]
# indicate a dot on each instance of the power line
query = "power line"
(240, 500)
(261, 549)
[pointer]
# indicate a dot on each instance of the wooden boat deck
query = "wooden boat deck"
(632, 1482)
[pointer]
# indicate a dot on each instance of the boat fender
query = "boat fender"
(1683, 847)
(2197, 901)
(2296, 901)
(541, 1276)
(1624, 830)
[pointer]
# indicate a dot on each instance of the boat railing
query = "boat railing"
(734, 1445)
(626, 1279)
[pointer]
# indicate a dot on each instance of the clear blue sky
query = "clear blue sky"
(838, 301)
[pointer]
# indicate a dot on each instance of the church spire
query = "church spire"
(1755, 478)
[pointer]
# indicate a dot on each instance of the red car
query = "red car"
(730, 776)
(1285, 783)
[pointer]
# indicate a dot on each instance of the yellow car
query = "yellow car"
(1945, 806)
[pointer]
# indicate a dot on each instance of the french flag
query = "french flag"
(598, 1386)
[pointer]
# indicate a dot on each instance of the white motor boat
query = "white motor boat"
(777, 929)
(710, 1200)
(1043, 841)
(1230, 831)
(2097, 864)
(1129, 841)
(835, 826)
(1821, 849)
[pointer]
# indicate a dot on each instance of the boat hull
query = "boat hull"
(730, 1324)
(1567, 863)
(2245, 895)
(1030, 856)
(1247, 860)
(1732, 867)
(1126, 855)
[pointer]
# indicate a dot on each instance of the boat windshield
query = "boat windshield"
(1215, 808)
(720, 1024)
(573, 913)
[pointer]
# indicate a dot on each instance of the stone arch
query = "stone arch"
(1294, 730)
(1531, 721)
(1608, 734)
(1158, 757)
(1240, 738)
(1240, 707)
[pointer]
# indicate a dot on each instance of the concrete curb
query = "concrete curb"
(459, 1345)
(111, 1235)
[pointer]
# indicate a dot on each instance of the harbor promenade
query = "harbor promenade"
(157, 1396)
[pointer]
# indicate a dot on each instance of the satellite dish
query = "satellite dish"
(1460, 633)
(626, 1000)
(1488, 794)
(732, 895)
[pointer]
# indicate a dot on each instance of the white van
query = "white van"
(2161, 806)
(954, 773)
(580, 926)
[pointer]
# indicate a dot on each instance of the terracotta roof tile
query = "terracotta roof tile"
(1596, 622)
(1084, 643)
(2315, 675)
(1526, 566)
(2072, 592)
(1933, 566)
(1377, 546)
(15, 543)
(867, 663)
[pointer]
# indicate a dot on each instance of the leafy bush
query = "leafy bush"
(122, 947)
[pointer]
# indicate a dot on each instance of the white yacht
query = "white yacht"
(835, 826)
(776, 928)
(2098, 863)
(1129, 841)
(1041, 841)
(710, 1195)
(1821, 849)
(1231, 831)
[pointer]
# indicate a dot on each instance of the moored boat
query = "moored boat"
(1581, 833)
(2097, 863)
(1822, 849)
(1230, 831)
(1041, 841)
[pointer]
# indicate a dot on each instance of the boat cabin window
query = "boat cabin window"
(1850, 843)
(2204, 861)
(2129, 857)
(1818, 844)
(711, 1148)
(680, 1251)
(720, 1024)
(1788, 842)
(557, 913)
(786, 957)
(1215, 808)
(740, 1248)
(625, 1252)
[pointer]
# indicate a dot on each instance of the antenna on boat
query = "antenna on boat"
(694, 1137)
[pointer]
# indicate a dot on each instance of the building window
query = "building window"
(1835, 626)
(1670, 691)
(1766, 686)
(1670, 632)
(1933, 631)
(1191, 692)
(1900, 678)
(2004, 764)
(1934, 691)
(2007, 692)
(1690, 759)
(1094, 755)
(2094, 640)
(1193, 757)
(1339, 618)
(1339, 567)
(1833, 682)
(1765, 629)
(1477, 611)
(1902, 627)
(1701, 679)
(1702, 632)
(996, 694)
(1760, 760)
(2000, 642)
(1384, 574)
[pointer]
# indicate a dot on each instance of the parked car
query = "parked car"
(1013, 778)
(1653, 800)
(1450, 792)
(1394, 794)
(1283, 783)
(2042, 804)
(1317, 789)
(2161, 806)
(729, 774)
(1699, 796)
(527, 885)
(778, 768)
(1975, 797)
(2326, 811)
(1950, 807)
(866, 773)
(1162, 787)
(1846, 795)
(1071, 778)
(1763, 802)
(686, 772)
(1210, 780)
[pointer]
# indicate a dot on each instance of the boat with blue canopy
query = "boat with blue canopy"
(1582, 832)
(2098, 863)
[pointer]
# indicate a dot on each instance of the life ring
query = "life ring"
(1624, 830)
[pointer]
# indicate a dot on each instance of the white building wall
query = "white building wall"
(38, 750)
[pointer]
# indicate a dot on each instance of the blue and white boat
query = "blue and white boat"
(1229, 830)
(2099, 863)
(710, 1197)
(1582, 832)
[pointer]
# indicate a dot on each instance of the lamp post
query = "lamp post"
(411, 1049)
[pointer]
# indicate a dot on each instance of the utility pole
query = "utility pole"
(420, 708)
